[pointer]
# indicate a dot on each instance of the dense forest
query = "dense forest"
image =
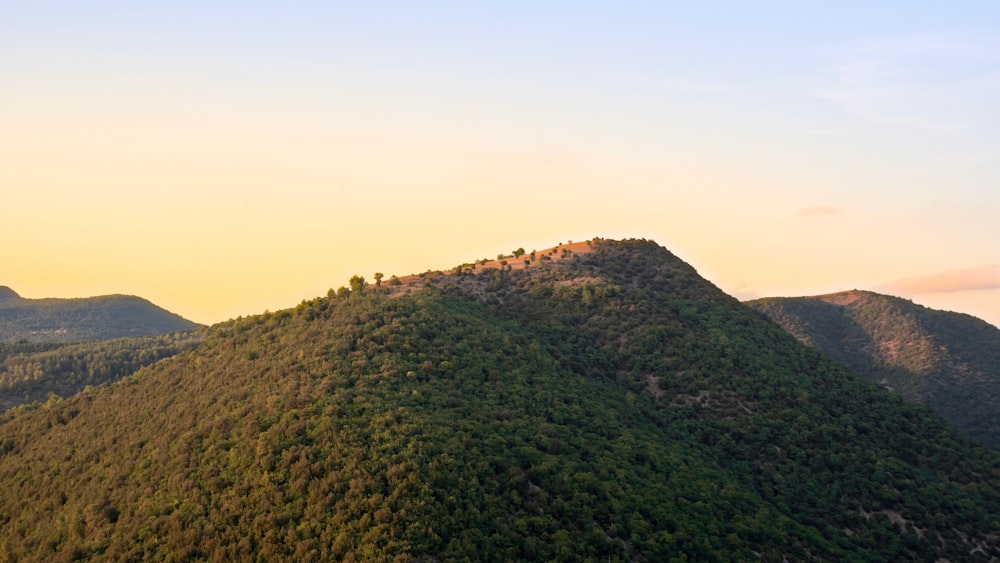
(947, 361)
(597, 404)
(76, 320)
(34, 371)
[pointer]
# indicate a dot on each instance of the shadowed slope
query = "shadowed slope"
(74, 320)
(34, 371)
(947, 361)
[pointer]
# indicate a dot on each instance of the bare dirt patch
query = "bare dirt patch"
(414, 282)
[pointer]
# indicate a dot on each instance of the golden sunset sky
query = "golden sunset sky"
(223, 158)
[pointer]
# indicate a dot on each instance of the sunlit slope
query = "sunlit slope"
(609, 405)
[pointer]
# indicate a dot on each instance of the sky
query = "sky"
(226, 158)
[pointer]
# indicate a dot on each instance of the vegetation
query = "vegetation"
(947, 361)
(607, 405)
(76, 320)
(33, 372)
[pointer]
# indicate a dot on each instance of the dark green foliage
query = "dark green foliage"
(75, 320)
(608, 406)
(34, 371)
(947, 361)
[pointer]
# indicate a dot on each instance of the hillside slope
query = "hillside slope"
(75, 320)
(34, 371)
(611, 405)
(947, 361)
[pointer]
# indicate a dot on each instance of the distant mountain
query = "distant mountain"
(75, 320)
(594, 402)
(947, 361)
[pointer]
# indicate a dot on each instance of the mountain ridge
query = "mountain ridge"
(610, 405)
(948, 361)
(85, 318)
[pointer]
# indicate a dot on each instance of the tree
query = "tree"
(378, 279)
(519, 253)
(357, 284)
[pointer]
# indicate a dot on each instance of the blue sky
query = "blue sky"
(181, 150)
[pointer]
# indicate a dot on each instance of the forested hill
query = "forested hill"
(75, 320)
(947, 361)
(599, 405)
(34, 371)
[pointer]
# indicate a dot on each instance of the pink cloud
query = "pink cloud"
(968, 279)
(820, 210)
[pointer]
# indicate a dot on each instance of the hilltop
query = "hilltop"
(947, 361)
(518, 259)
(75, 320)
(609, 405)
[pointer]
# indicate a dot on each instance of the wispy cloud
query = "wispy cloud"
(700, 86)
(741, 291)
(979, 157)
(951, 281)
(693, 85)
(930, 82)
(820, 210)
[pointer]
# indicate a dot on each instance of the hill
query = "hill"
(75, 320)
(35, 371)
(605, 405)
(947, 361)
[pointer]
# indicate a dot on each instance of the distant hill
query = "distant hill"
(76, 320)
(600, 402)
(947, 361)
(35, 371)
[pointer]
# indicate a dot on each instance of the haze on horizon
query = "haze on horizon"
(224, 158)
